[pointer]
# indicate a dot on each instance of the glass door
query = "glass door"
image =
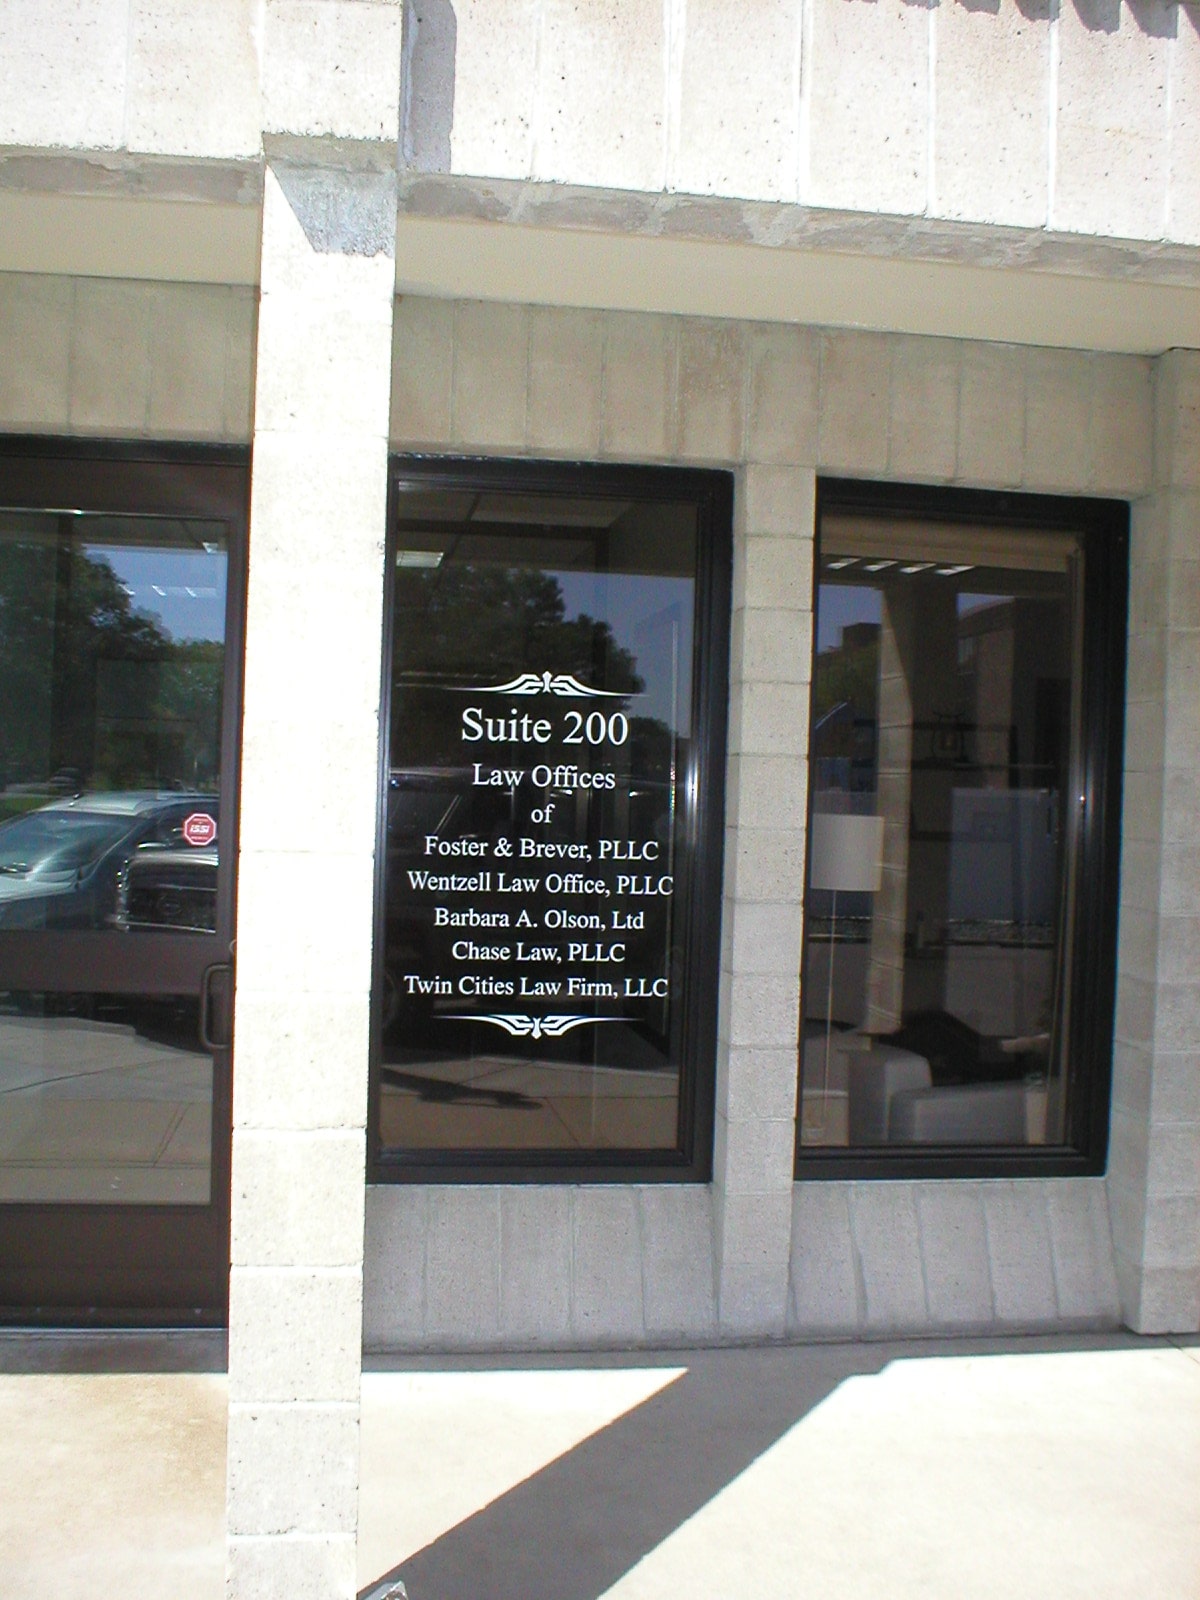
(120, 620)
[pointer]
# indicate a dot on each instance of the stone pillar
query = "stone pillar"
(310, 742)
(766, 801)
(1154, 1155)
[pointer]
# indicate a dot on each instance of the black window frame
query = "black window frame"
(1103, 527)
(711, 490)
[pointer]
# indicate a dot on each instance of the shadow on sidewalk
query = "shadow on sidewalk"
(573, 1528)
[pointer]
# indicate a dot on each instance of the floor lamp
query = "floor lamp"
(846, 857)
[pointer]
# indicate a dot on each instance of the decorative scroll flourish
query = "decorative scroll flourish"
(525, 1027)
(560, 683)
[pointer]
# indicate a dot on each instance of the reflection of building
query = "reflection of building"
(576, 234)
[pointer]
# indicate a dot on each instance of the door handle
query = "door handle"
(208, 1041)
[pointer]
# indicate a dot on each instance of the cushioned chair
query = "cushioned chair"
(971, 1113)
(875, 1076)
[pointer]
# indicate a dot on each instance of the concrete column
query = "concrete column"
(754, 1147)
(1154, 1159)
(305, 897)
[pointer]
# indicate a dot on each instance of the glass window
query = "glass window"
(956, 984)
(546, 953)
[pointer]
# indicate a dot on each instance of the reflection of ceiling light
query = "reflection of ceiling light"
(419, 558)
(877, 566)
(842, 561)
(953, 572)
(917, 566)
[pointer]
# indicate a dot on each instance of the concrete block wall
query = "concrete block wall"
(1089, 113)
(1154, 1167)
(754, 1255)
(126, 359)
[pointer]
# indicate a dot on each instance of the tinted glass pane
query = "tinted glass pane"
(539, 816)
(112, 649)
(104, 1099)
(940, 898)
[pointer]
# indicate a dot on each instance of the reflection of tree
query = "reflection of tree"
(92, 687)
(466, 624)
(849, 673)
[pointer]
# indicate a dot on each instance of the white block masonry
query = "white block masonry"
(306, 880)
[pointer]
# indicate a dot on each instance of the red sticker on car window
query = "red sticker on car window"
(200, 828)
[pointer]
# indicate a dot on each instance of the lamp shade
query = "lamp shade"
(845, 852)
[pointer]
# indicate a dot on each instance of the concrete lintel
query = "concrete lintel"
(718, 219)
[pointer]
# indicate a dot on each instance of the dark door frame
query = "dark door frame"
(140, 1264)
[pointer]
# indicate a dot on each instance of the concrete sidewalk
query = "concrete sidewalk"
(966, 1470)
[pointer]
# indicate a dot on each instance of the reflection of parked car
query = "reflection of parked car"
(168, 888)
(60, 864)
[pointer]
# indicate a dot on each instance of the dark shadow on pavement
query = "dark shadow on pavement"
(572, 1529)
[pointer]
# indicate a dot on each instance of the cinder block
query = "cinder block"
(1111, 115)
(781, 411)
(606, 1283)
(292, 1469)
(284, 1568)
(1132, 1066)
(1169, 1301)
(991, 145)
(1057, 412)
(1121, 443)
(678, 1292)
(1183, 604)
(883, 1219)
(535, 1266)
(780, 500)
(279, 939)
(855, 392)
(1175, 1015)
(324, 363)
(775, 573)
(1175, 1093)
(564, 380)
(188, 354)
(764, 863)
(1174, 1161)
(763, 1011)
(765, 937)
(738, 102)
(639, 380)
(991, 414)
(1181, 802)
(494, 82)
(294, 1336)
(46, 56)
(760, 1083)
(826, 1290)
(752, 1299)
(297, 1198)
(755, 1156)
(1127, 1222)
(954, 1254)
(110, 356)
(868, 122)
(772, 646)
(1172, 1233)
(601, 90)
(321, 506)
(768, 792)
(422, 370)
(1145, 736)
(394, 1266)
(1182, 521)
(462, 1266)
(331, 67)
(1179, 936)
(1183, 177)
(340, 780)
(491, 347)
(1137, 943)
(1081, 1249)
(35, 345)
(241, 338)
(1019, 1250)
(770, 719)
(286, 1043)
(923, 431)
(711, 403)
(1135, 1010)
(1146, 666)
(193, 79)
